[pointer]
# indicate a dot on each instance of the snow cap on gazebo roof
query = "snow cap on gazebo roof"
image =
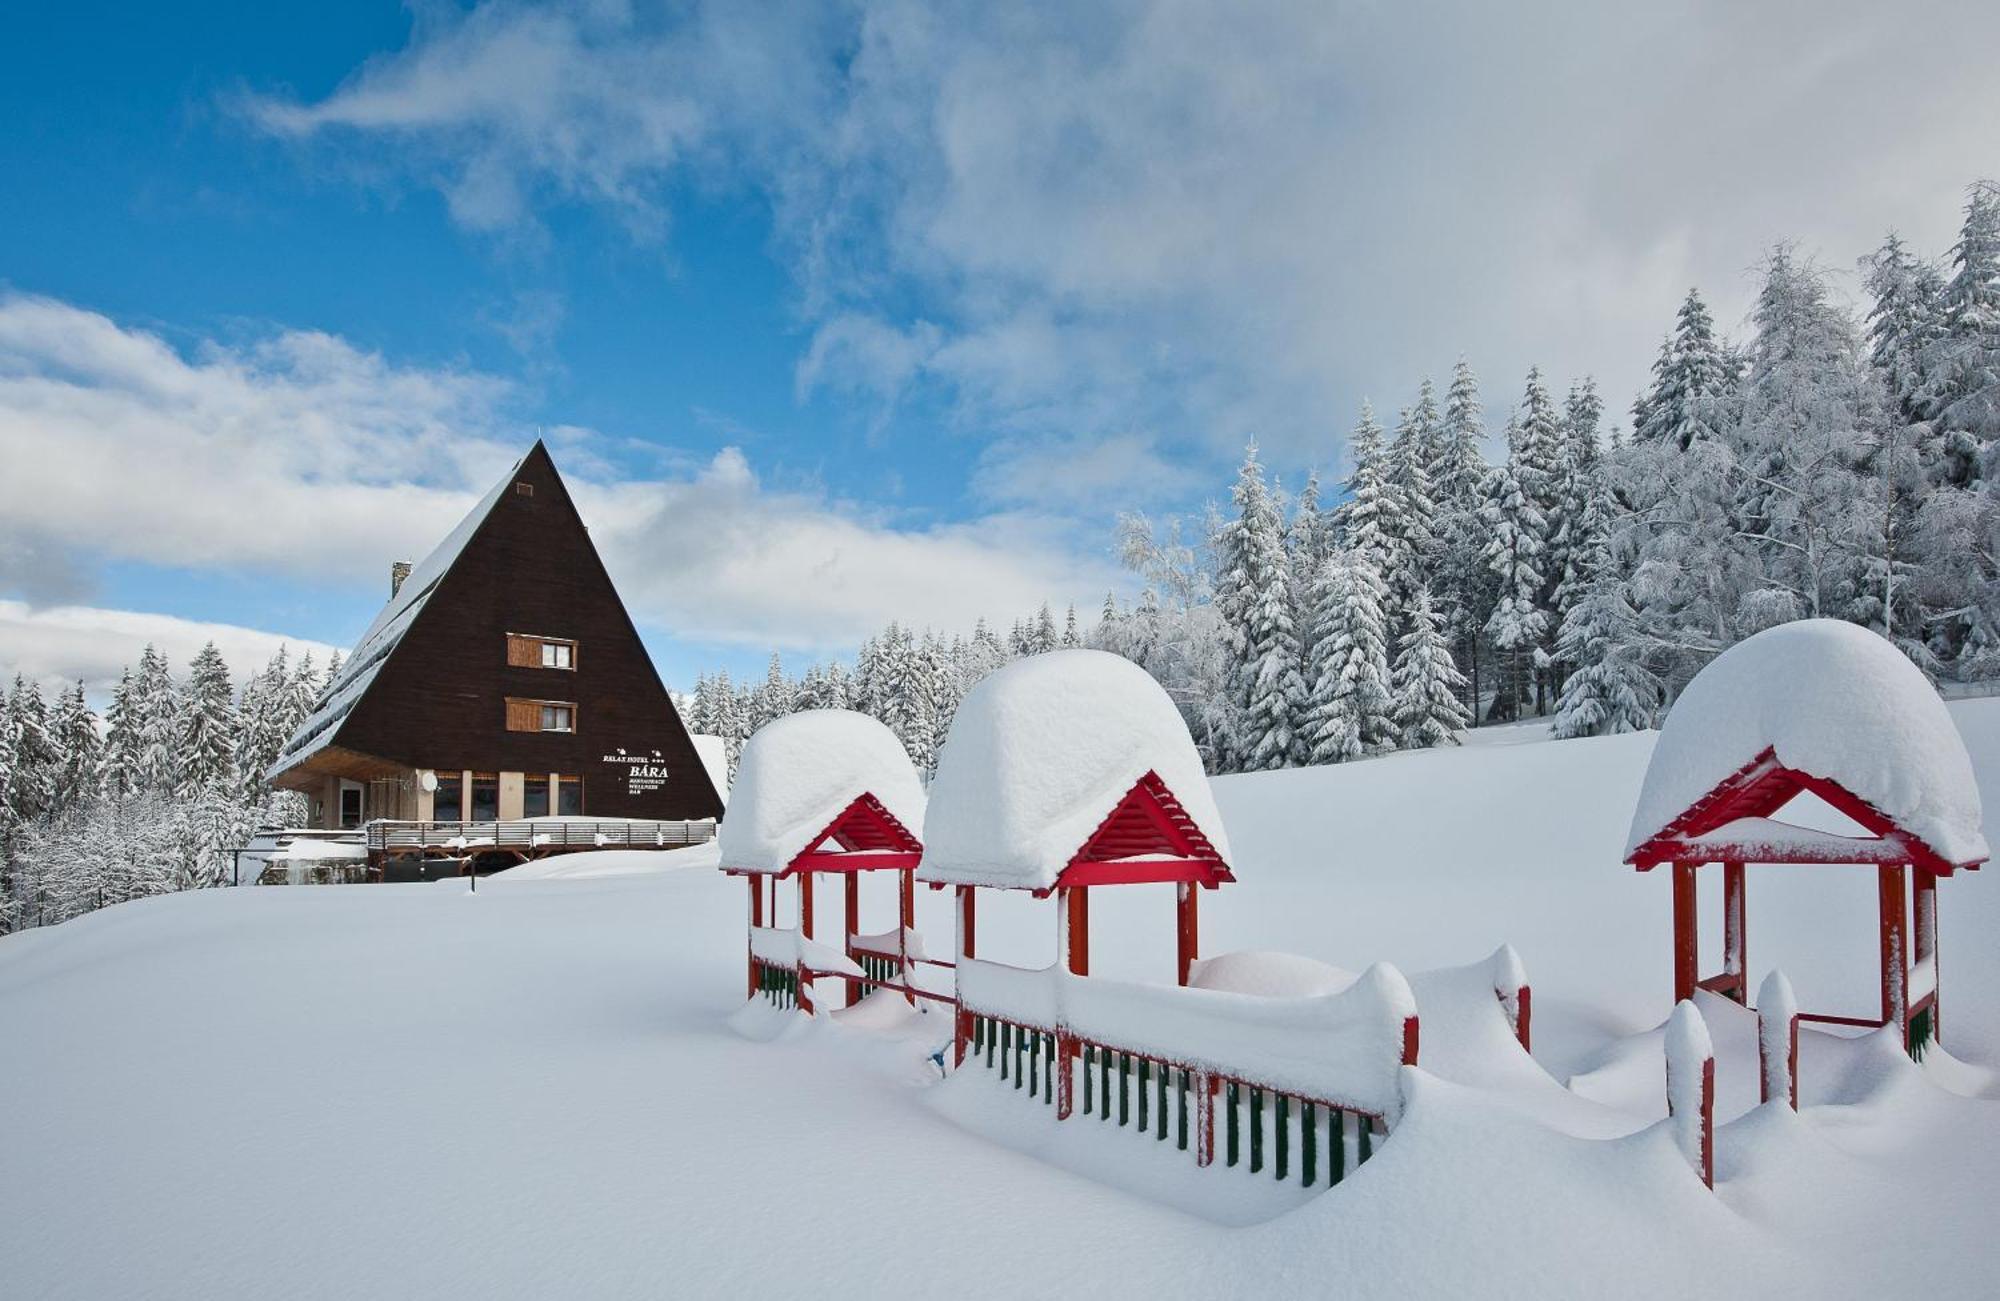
(799, 773)
(1831, 700)
(1040, 753)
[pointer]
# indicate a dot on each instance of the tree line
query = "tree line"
(150, 797)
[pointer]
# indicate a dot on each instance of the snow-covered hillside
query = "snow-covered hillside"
(552, 1086)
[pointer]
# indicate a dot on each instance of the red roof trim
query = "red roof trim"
(1147, 836)
(1757, 790)
(870, 837)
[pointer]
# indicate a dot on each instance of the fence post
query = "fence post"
(1065, 1078)
(1204, 1119)
(1691, 1088)
(1510, 985)
(1778, 1041)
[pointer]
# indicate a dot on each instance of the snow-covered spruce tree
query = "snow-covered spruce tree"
(1412, 454)
(1254, 599)
(156, 721)
(1426, 684)
(121, 757)
(77, 751)
(1692, 379)
(207, 723)
(1608, 689)
(1042, 637)
(1351, 710)
(772, 699)
(1372, 518)
(1071, 637)
(34, 756)
(1962, 379)
(1513, 555)
(1307, 543)
(1547, 467)
(1464, 586)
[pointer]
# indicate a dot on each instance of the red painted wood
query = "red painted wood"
(1147, 820)
(962, 1022)
(1708, 1122)
(1204, 1119)
(1735, 932)
(1066, 1049)
(852, 899)
(1187, 929)
(1895, 951)
(1077, 900)
(1523, 1013)
(1686, 945)
(1409, 1041)
(756, 919)
(1143, 871)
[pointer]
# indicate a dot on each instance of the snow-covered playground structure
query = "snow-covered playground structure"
(823, 791)
(1830, 710)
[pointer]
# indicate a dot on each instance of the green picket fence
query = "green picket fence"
(1265, 1129)
(778, 986)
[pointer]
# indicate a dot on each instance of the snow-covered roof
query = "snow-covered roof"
(358, 670)
(1039, 754)
(1829, 699)
(800, 772)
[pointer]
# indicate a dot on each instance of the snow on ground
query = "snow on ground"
(555, 1087)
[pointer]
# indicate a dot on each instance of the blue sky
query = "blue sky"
(840, 313)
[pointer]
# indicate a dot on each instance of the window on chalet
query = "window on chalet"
(485, 797)
(527, 652)
(535, 796)
(569, 796)
(540, 715)
(448, 804)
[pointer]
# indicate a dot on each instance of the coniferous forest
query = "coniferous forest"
(1838, 455)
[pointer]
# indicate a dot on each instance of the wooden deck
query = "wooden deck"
(528, 838)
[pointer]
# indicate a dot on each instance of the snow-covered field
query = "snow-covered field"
(552, 1086)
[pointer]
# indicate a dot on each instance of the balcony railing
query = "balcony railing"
(531, 836)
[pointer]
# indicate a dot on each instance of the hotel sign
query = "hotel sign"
(644, 773)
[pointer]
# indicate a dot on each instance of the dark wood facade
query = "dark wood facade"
(459, 694)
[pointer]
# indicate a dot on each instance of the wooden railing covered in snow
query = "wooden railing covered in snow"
(532, 836)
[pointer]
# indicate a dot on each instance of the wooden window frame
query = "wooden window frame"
(517, 705)
(530, 646)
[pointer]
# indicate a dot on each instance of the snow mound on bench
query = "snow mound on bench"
(1039, 754)
(1269, 975)
(800, 772)
(1831, 699)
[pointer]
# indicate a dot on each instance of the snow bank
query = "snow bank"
(592, 864)
(799, 773)
(788, 948)
(1039, 754)
(1833, 700)
(1777, 1010)
(1345, 1048)
(1268, 975)
(1689, 1050)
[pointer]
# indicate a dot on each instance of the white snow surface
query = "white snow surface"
(1039, 754)
(798, 773)
(1833, 700)
(565, 1093)
(1270, 975)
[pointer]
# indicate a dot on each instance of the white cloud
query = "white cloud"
(300, 457)
(72, 643)
(1222, 220)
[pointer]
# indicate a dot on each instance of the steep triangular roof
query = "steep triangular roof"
(372, 651)
(424, 685)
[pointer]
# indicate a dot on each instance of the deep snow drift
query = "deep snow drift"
(554, 1086)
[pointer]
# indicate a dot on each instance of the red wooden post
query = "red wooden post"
(1065, 1075)
(1523, 1009)
(1691, 1057)
(1409, 1041)
(1895, 951)
(852, 882)
(1778, 1040)
(906, 917)
(962, 1030)
(805, 932)
(1188, 927)
(1926, 946)
(1735, 934)
(1076, 899)
(1686, 946)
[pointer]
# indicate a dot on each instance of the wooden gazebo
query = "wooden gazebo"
(823, 792)
(1047, 740)
(1846, 706)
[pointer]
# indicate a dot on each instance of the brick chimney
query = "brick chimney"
(397, 573)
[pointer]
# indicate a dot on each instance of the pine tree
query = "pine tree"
(1071, 638)
(35, 764)
(76, 752)
(1463, 586)
(155, 722)
(1692, 379)
(1609, 688)
(1412, 456)
(1352, 710)
(207, 723)
(123, 747)
(1261, 648)
(1514, 555)
(1963, 374)
(1425, 682)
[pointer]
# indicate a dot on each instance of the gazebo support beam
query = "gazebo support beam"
(1186, 928)
(962, 1031)
(756, 885)
(1895, 951)
(906, 921)
(1687, 948)
(1735, 933)
(1076, 929)
(852, 894)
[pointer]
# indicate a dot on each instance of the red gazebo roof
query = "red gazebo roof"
(1148, 836)
(1733, 823)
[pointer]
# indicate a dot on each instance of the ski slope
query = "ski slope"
(553, 1086)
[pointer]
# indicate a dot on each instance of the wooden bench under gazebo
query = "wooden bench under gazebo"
(1825, 709)
(824, 791)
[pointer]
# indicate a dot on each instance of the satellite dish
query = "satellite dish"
(428, 780)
